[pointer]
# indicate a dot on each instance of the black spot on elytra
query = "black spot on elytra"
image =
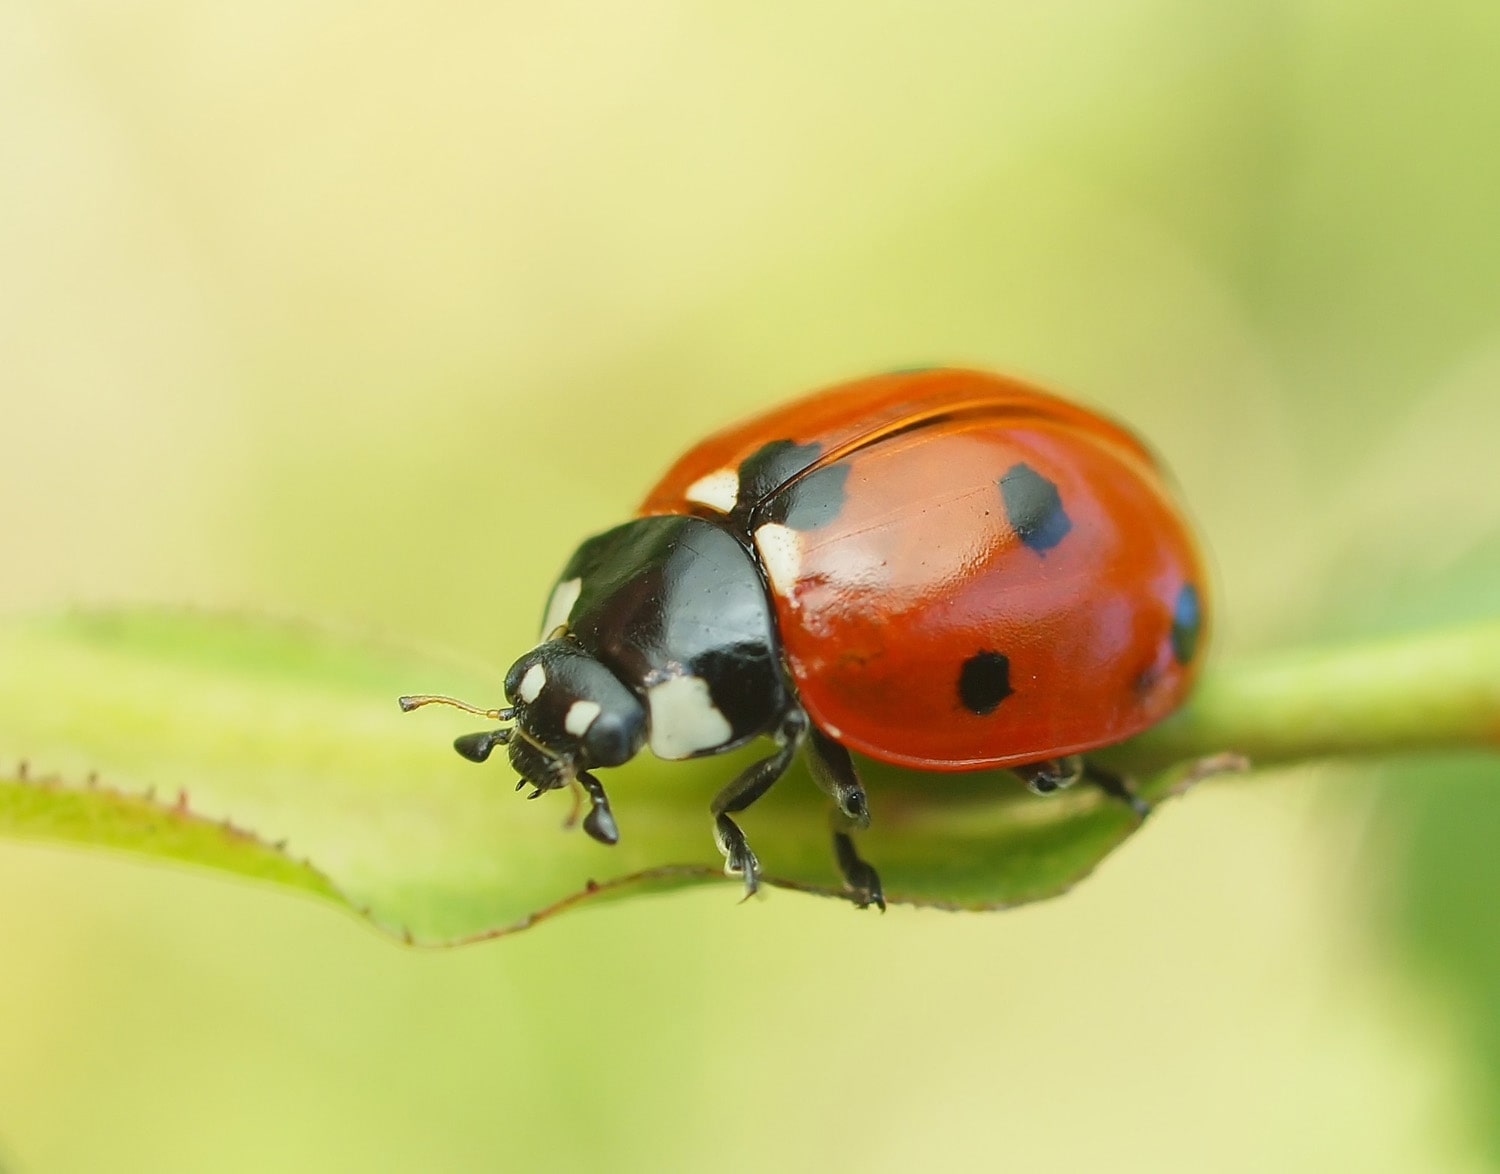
(1146, 680)
(775, 487)
(984, 681)
(1187, 622)
(808, 502)
(771, 466)
(1034, 508)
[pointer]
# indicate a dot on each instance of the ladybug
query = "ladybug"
(942, 569)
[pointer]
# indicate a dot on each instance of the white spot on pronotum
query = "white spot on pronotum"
(781, 555)
(719, 491)
(560, 606)
(532, 684)
(684, 719)
(580, 717)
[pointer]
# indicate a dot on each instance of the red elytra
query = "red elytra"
(1087, 587)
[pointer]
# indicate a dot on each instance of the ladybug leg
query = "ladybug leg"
(744, 789)
(1116, 787)
(1052, 774)
(833, 771)
(600, 821)
(477, 747)
(858, 875)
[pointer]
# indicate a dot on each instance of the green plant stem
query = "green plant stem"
(1433, 690)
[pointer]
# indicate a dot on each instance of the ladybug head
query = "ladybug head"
(570, 713)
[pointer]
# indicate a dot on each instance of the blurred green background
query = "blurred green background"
(369, 312)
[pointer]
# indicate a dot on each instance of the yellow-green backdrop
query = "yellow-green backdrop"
(370, 311)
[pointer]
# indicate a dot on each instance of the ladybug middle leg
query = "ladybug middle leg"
(833, 771)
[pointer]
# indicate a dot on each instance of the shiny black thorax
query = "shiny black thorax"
(661, 634)
(673, 596)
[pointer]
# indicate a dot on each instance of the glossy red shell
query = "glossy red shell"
(921, 569)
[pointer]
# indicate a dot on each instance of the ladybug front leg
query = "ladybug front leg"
(600, 821)
(744, 789)
(833, 771)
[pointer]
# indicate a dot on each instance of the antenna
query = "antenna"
(417, 700)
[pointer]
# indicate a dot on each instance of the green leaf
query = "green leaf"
(47, 809)
(277, 752)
